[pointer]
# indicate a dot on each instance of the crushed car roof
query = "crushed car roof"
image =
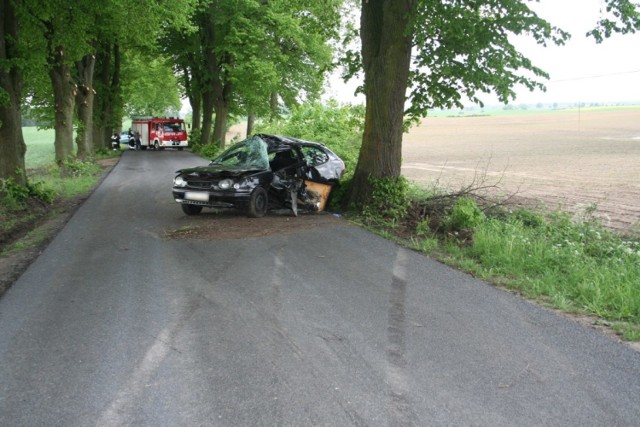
(277, 142)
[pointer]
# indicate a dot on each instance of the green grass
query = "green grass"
(41, 167)
(40, 148)
(32, 240)
(577, 267)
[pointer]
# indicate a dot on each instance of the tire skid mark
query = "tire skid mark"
(400, 412)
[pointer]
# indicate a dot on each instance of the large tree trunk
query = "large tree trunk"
(207, 116)
(220, 124)
(107, 104)
(84, 101)
(251, 120)
(64, 91)
(209, 71)
(12, 146)
(273, 107)
(223, 90)
(196, 110)
(386, 56)
(195, 98)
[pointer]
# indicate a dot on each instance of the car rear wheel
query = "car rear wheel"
(191, 209)
(258, 203)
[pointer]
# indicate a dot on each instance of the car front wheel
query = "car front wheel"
(258, 203)
(191, 209)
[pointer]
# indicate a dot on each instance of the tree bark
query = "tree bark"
(64, 92)
(386, 57)
(84, 101)
(209, 71)
(207, 116)
(195, 98)
(12, 146)
(273, 107)
(220, 124)
(251, 120)
(107, 105)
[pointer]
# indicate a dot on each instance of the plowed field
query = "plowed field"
(567, 159)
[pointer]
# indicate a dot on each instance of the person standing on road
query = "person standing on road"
(115, 141)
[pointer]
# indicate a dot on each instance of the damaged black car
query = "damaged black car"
(260, 173)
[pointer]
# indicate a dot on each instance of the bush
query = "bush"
(208, 151)
(389, 201)
(465, 214)
(528, 218)
(195, 139)
(16, 195)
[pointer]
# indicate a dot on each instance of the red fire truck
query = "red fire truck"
(159, 133)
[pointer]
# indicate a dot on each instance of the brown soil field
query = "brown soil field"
(565, 159)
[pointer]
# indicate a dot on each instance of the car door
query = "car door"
(318, 167)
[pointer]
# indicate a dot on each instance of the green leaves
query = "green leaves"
(622, 17)
(464, 48)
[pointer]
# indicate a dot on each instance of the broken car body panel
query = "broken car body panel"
(260, 172)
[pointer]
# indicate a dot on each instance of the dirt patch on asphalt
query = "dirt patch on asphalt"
(234, 225)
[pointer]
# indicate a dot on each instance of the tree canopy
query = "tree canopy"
(246, 56)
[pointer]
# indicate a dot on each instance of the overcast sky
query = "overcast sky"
(581, 70)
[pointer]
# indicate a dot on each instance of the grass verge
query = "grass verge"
(579, 267)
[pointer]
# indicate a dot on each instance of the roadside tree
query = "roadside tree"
(439, 52)
(12, 146)
(247, 56)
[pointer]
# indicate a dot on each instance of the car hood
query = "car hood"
(217, 172)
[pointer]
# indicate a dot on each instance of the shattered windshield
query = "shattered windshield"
(248, 154)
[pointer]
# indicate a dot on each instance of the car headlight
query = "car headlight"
(225, 184)
(179, 181)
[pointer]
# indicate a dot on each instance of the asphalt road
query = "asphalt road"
(114, 324)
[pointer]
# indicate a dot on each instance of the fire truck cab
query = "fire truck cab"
(159, 133)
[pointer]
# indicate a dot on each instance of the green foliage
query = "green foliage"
(425, 244)
(423, 227)
(16, 195)
(389, 202)
(577, 266)
(208, 151)
(195, 138)
(465, 214)
(528, 218)
(78, 168)
(149, 87)
(623, 18)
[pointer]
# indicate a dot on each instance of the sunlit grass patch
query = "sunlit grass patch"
(578, 266)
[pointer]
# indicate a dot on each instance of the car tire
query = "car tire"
(156, 145)
(258, 203)
(191, 209)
